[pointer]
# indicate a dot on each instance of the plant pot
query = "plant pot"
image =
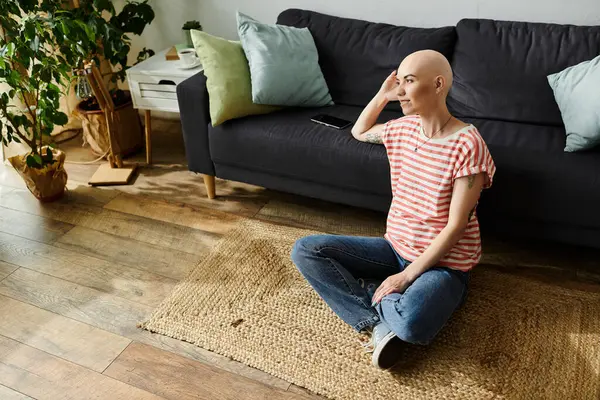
(48, 183)
(128, 135)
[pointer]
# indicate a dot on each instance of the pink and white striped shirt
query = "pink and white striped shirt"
(422, 183)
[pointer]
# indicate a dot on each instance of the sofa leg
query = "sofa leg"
(209, 182)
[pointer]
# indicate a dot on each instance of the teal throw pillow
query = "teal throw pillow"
(284, 64)
(577, 93)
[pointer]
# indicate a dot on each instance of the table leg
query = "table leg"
(148, 141)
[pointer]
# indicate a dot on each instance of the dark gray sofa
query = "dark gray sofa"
(500, 86)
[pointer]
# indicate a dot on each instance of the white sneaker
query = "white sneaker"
(386, 347)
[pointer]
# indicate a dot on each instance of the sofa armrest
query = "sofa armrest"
(192, 97)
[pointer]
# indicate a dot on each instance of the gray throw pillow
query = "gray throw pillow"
(284, 64)
(577, 93)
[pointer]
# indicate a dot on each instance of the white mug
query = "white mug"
(188, 57)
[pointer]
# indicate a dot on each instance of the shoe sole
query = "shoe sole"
(386, 354)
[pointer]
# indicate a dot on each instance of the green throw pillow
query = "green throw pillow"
(227, 78)
(284, 64)
(577, 93)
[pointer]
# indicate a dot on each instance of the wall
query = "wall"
(218, 16)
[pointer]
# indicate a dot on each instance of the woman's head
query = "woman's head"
(424, 80)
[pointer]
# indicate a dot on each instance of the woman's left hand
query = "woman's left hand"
(396, 283)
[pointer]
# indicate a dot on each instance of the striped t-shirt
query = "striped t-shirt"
(422, 183)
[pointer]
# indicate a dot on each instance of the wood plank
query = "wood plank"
(178, 185)
(117, 279)
(63, 337)
(175, 377)
(31, 226)
(23, 200)
(77, 191)
(204, 219)
(70, 209)
(159, 233)
(81, 173)
(9, 394)
(307, 393)
(44, 376)
(84, 194)
(6, 269)
(4, 190)
(10, 178)
(162, 261)
(115, 315)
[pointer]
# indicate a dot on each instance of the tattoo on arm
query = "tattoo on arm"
(471, 180)
(373, 137)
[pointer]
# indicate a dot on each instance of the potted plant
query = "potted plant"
(187, 27)
(113, 44)
(33, 71)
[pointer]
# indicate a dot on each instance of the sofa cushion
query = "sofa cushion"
(227, 78)
(500, 67)
(356, 56)
(557, 187)
(286, 143)
(536, 180)
(576, 90)
(516, 135)
(284, 64)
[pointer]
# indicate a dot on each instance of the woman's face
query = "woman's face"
(416, 88)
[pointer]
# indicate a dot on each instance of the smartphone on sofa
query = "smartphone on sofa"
(331, 121)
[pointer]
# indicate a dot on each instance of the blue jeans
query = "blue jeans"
(335, 266)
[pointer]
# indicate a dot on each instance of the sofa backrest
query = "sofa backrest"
(501, 67)
(356, 56)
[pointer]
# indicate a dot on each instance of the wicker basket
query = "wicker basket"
(128, 135)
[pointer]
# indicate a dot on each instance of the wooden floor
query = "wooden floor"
(77, 275)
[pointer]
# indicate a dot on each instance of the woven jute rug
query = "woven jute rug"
(515, 337)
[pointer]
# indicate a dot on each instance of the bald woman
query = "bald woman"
(404, 287)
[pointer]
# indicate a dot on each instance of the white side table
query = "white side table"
(153, 85)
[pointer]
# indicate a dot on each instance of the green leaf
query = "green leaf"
(10, 50)
(29, 30)
(46, 75)
(88, 31)
(2, 63)
(38, 159)
(48, 157)
(32, 161)
(36, 69)
(60, 118)
(65, 28)
(53, 88)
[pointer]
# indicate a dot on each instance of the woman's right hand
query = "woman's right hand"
(389, 87)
